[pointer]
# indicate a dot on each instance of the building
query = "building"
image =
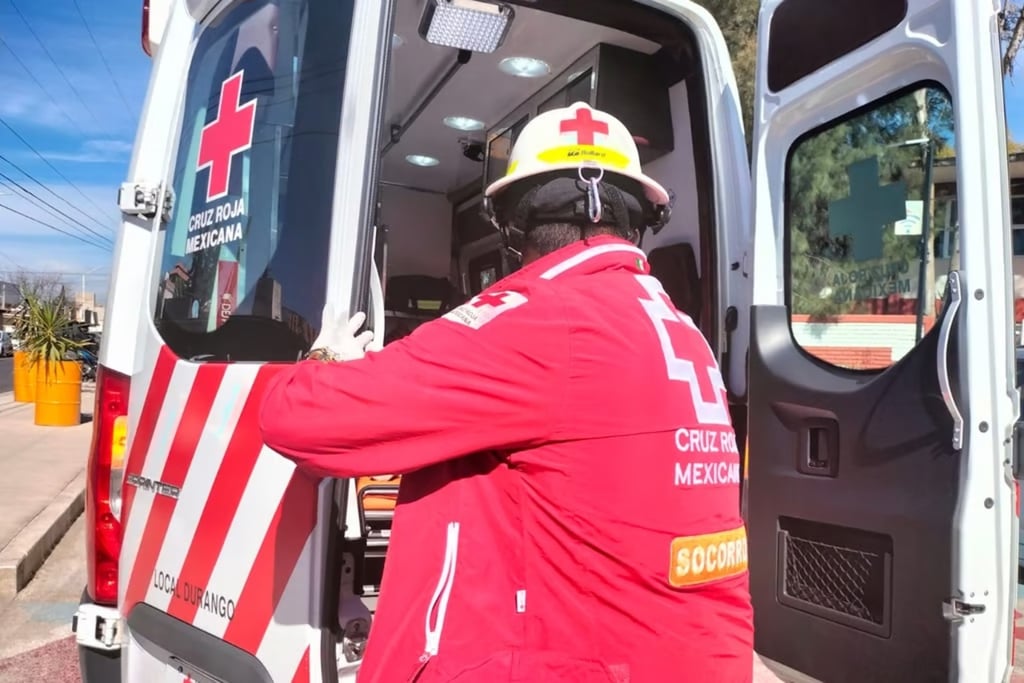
(879, 320)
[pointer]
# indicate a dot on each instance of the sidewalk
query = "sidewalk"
(42, 487)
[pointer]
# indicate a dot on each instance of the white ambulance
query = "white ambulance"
(293, 153)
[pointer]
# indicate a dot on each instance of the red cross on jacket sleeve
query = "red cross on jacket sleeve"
(485, 377)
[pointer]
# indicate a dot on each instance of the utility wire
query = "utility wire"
(55, 170)
(103, 59)
(41, 203)
(52, 60)
(41, 87)
(53, 227)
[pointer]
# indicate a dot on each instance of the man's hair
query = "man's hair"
(550, 237)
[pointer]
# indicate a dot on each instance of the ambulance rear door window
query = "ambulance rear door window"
(244, 256)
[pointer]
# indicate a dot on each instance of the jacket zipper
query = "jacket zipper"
(441, 594)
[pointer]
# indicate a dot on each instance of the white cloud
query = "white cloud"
(95, 152)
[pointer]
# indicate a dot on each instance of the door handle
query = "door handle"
(942, 357)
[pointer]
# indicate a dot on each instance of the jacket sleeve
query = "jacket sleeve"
(454, 387)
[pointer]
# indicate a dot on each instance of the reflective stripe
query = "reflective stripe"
(442, 593)
(586, 255)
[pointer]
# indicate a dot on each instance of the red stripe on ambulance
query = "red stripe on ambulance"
(233, 476)
(179, 459)
(286, 536)
(158, 384)
(302, 673)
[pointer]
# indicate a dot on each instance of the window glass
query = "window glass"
(864, 279)
(1017, 210)
(245, 252)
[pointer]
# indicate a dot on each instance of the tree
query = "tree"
(738, 21)
(1012, 34)
(826, 279)
(35, 285)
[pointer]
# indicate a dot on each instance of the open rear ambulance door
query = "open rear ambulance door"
(881, 499)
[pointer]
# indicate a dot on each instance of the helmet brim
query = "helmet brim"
(653, 190)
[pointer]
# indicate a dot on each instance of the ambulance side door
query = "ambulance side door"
(881, 499)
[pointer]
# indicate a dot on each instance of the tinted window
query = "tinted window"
(808, 34)
(245, 252)
(859, 211)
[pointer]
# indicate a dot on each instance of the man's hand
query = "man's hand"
(339, 336)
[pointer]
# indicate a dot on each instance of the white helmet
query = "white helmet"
(577, 165)
(566, 139)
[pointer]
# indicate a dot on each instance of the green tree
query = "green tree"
(738, 21)
(826, 280)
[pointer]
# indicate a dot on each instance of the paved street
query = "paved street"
(6, 376)
(35, 628)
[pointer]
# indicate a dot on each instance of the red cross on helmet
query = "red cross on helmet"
(572, 138)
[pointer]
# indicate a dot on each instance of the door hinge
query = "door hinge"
(143, 199)
(955, 610)
(98, 627)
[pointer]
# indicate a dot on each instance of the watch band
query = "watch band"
(322, 354)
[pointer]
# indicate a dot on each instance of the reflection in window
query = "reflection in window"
(864, 223)
(244, 254)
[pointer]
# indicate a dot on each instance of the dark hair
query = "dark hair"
(550, 237)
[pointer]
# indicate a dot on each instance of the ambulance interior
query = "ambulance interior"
(447, 133)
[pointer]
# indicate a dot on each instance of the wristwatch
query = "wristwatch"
(322, 354)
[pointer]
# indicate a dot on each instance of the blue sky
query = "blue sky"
(73, 116)
(76, 118)
(1014, 94)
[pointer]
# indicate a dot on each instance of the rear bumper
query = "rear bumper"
(98, 631)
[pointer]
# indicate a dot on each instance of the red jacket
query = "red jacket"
(570, 510)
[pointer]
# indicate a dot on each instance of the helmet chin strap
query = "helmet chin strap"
(552, 201)
(594, 208)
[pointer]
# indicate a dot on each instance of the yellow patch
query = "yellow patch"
(697, 560)
(119, 442)
(604, 155)
(512, 168)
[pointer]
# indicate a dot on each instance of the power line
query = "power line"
(53, 61)
(103, 59)
(53, 227)
(41, 87)
(49, 208)
(55, 170)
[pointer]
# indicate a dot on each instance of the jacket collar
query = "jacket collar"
(593, 255)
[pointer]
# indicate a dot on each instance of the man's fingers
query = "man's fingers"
(355, 322)
(364, 339)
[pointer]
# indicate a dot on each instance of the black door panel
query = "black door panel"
(853, 485)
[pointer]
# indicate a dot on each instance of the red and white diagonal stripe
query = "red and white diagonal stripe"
(243, 524)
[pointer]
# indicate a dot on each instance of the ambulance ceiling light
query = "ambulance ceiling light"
(465, 24)
(524, 67)
(463, 123)
(421, 160)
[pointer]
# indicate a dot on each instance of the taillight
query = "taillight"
(145, 28)
(103, 492)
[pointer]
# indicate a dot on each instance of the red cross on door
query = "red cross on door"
(584, 125)
(225, 136)
(490, 299)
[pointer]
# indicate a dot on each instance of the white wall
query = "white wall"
(419, 231)
(897, 336)
(676, 172)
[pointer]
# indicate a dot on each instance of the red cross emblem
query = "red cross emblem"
(490, 299)
(584, 125)
(225, 136)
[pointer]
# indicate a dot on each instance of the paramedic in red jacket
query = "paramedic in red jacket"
(569, 509)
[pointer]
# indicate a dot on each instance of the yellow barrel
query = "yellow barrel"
(24, 378)
(59, 393)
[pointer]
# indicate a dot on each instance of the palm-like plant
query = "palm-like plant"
(44, 326)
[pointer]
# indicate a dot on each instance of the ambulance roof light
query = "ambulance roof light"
(466, 24)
